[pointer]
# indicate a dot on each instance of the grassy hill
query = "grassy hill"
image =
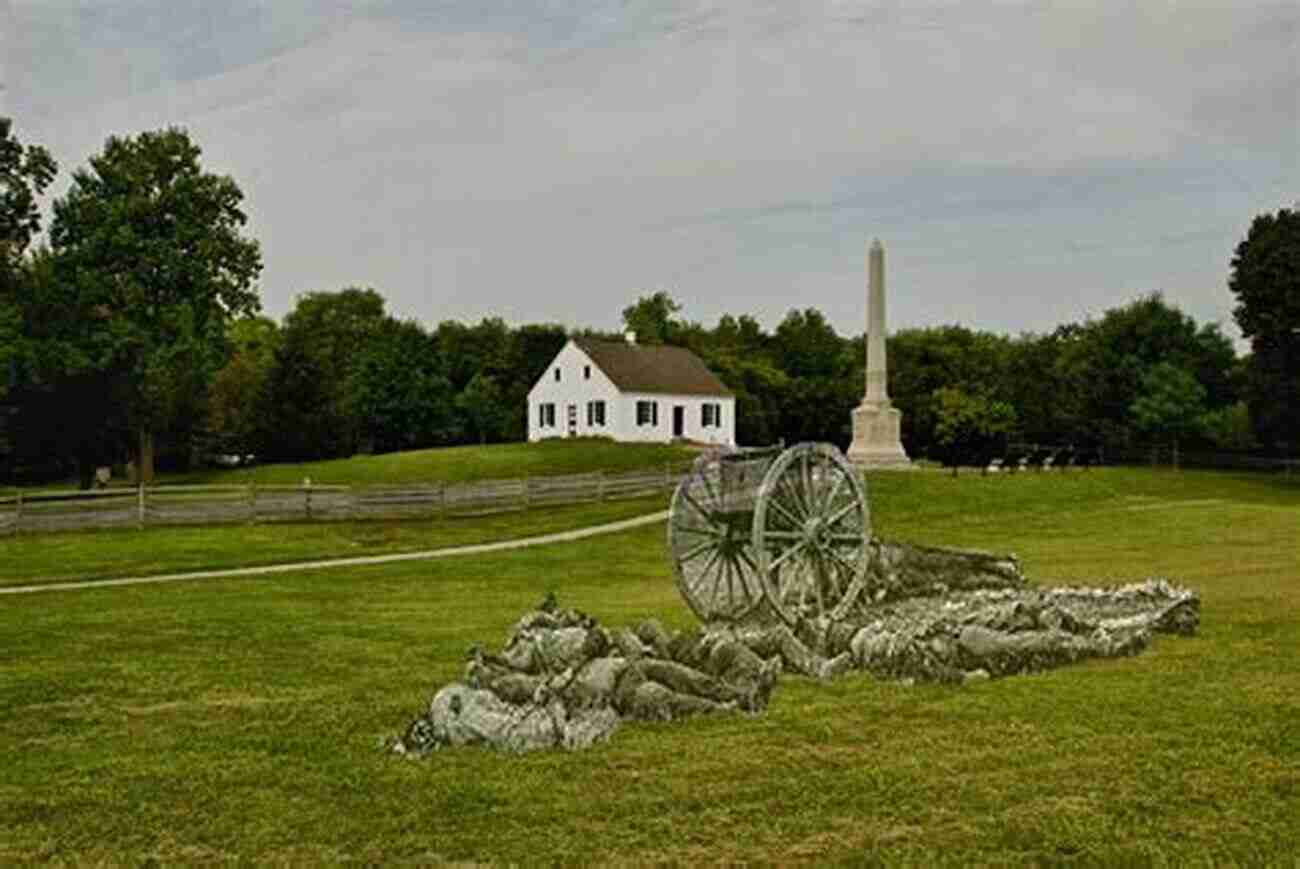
(458, 464)
(446, 464)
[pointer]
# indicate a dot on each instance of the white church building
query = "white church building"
(630, 392)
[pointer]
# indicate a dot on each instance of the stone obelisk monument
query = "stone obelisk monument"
(876, 422)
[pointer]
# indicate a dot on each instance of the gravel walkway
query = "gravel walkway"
(474, 549)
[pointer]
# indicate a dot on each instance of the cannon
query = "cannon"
(755, 533)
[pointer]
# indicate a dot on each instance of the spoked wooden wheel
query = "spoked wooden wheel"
(810, 534)
(710, 543)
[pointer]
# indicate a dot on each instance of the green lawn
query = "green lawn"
(458, 464)
(239, 719)
(29, 559)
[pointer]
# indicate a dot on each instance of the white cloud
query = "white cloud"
(1025, 162)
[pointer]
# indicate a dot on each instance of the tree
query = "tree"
(922, 361)
(1171, 404)
(1229, 428)
(807, 346)
(481, 404)
(152, 250)
(1265, 279)
(1106, 360)
(323, 338)
(62, 406)
(967, 423)
(25, 172)
(760, 388)
(403, 398)
(531, 349)
(238, 400)
(297, 390)
(469, 350)
(652, 319)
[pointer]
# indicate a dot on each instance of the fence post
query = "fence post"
(306, 495)
(140, 505)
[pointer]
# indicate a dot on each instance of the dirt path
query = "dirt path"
(473, 549)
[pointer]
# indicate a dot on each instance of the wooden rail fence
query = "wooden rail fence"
(212, 505)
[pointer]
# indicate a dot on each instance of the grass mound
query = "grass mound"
(458, 464)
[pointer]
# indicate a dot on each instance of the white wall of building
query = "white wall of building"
(580, 381)
(574, 388)
(692, 419)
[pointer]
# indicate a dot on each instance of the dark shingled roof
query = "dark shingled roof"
(656, 368)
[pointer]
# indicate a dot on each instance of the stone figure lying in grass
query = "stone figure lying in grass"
(563, 681)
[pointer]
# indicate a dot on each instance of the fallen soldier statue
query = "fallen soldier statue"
(563, 681)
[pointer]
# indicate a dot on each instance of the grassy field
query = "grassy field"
(33, 559)
(240, 719)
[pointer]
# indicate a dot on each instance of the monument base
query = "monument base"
(877, 441)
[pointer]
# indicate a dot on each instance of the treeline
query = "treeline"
(135, 332)
(341, 376)
(1089, 383)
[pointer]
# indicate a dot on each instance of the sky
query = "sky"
(1024, 164)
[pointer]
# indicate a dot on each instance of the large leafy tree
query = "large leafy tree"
(471, 350)
(807, 346)
(1171, 403)
(969, 422)
(1105, 362)
(480, 404)
(314, 398)
(1265, 279)
(25, 172)
(152, 253)
(238, 400)
(922, 361)
(654, 319)
(403, 398)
